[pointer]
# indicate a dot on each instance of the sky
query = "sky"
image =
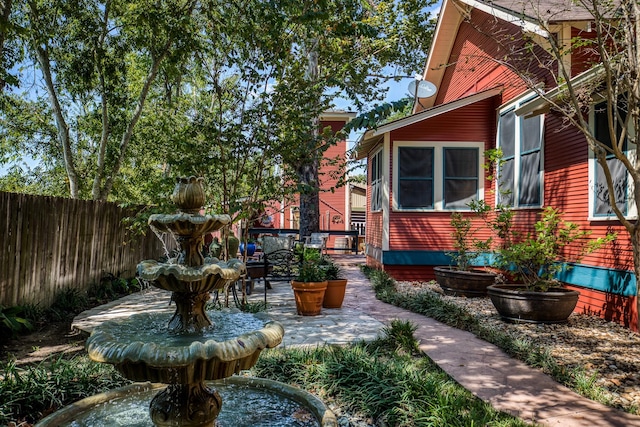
(397, 91)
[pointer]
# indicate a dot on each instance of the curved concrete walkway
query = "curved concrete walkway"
(482, 368)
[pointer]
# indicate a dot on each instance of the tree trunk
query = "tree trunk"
(128, 134)
(61, 124)
(308, 171)
(63, 128)
(5, 11)
(309, 199)
(104, 136)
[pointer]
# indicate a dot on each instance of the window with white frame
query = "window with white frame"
(437, 176)
(601, 206)
(376, 181)
(520, 172)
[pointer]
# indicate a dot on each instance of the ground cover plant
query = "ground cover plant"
(432, 305)
(388, 379)
(31, 392)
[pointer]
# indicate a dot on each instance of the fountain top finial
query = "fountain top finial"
(188, 194)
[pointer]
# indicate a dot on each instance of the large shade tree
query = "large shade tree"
(129, 92)
(342, 48)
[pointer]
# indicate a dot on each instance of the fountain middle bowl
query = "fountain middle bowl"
(187, 224)
(211, 275)
(140, 348)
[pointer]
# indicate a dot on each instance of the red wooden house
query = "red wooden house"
(424, 166)
(335, 206)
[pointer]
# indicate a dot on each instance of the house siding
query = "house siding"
(333, 199)
(583, 57)
(432, 231)
(420, 240)
(473, 66)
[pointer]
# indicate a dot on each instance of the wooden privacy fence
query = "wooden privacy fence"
(49, 244)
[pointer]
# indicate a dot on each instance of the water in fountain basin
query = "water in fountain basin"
(242, 407)
(149, 327)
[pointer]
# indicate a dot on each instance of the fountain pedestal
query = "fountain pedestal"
(192, 405)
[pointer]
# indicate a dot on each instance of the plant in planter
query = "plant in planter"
(535, 260)
(462, 279)
(309, 288)
(336, 285)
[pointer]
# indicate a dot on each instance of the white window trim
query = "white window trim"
(514, 105)
(379, 152)
(632, 209)
(438, 172)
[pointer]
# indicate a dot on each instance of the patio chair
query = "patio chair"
(317, 241)
(279, 259)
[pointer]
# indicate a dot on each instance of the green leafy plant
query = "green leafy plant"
(332, 270)
(537, 258)
(12, 321)
(311, 271)
(468, 247)
(29, 392)
(386, 380)
(66, 304)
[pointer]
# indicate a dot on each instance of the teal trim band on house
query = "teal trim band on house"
(431, 258)
(614, 281)
(618, 282)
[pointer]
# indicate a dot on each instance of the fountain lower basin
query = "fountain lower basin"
(248, 402)
(141, 350)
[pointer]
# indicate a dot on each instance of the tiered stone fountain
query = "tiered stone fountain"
(186, 354)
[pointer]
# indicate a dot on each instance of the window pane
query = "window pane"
(602, 122)
(460, 162)
(415, 194)
(531, 135)
(375, 196)
(530, 179)
(374, 167)
(507, 134)
(415, 162)
(459, 192)
(619, 176)
(506, 183)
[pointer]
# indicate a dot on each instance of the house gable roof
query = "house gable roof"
(372, 137)
(544, 10)
(526, 14)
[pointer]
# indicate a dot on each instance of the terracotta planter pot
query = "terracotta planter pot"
(516, 304)
(469, 284)
(334, 295)
(309, 296)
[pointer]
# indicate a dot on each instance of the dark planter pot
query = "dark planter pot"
(516, 304)
(464, 283)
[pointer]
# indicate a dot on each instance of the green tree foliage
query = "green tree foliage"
(115, 97)
(93, 65)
